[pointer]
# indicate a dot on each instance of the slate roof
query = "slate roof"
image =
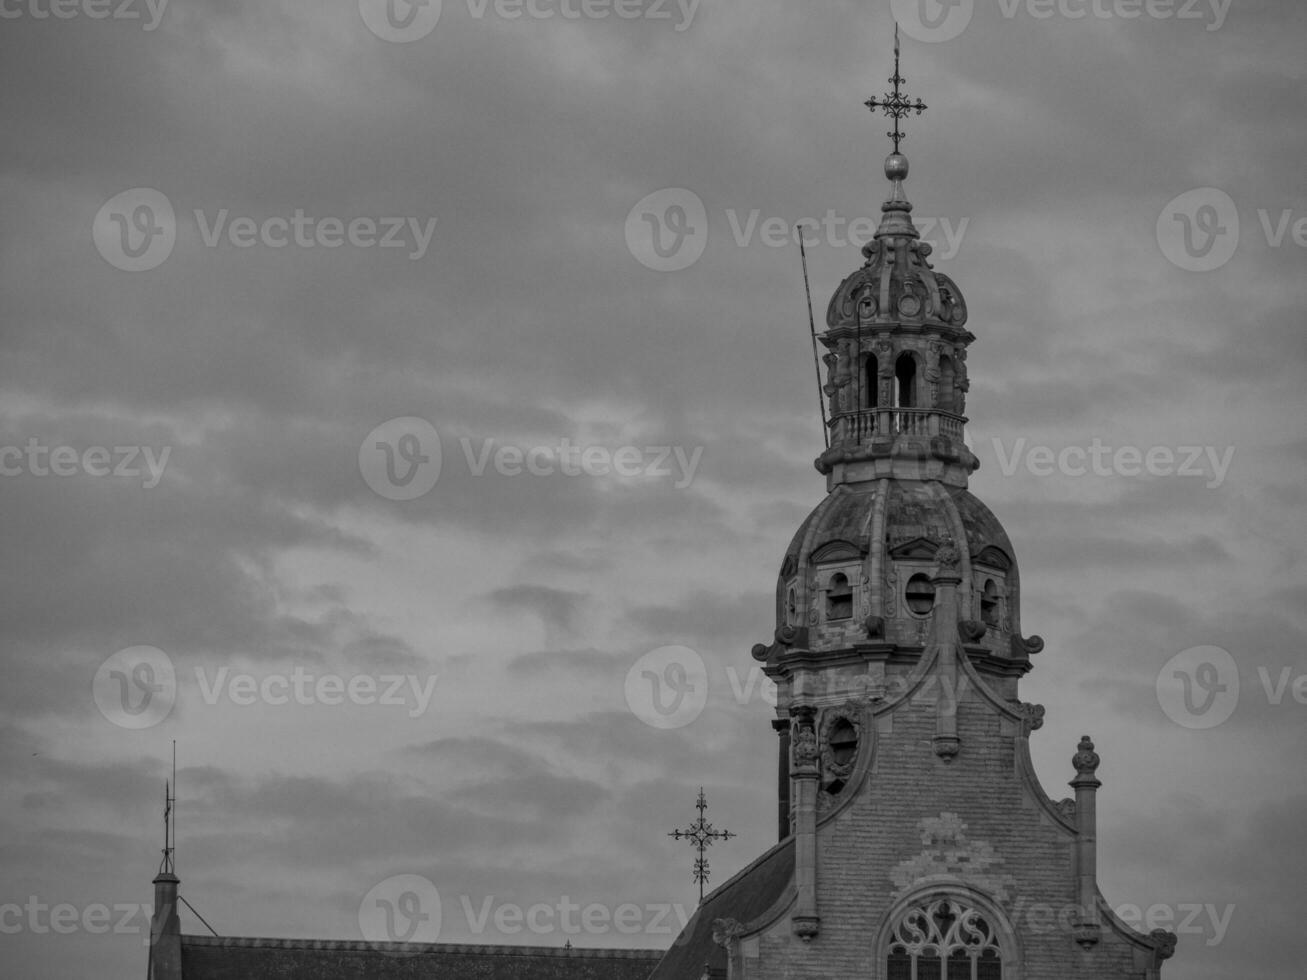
(744, 898)
(213, 958)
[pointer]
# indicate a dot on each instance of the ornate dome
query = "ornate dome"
(897, 284)
(866, 545)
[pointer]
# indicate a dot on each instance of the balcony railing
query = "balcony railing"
(864, 425)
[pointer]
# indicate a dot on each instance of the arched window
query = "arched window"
(791, 607)
(839, 598)
(871, 382)
(943, 940)
(905, 379)
(989, 604)
(948, 377)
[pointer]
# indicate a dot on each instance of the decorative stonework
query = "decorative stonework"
(949, 855)
(1033, 716)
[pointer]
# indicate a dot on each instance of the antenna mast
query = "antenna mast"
(169, 819)
(812, 328)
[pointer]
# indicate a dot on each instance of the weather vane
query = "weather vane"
(701, 834)
(897, 105)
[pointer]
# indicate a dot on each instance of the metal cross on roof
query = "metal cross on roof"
(896, 104)
(701, 834)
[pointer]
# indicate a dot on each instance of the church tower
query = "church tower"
(916, 841)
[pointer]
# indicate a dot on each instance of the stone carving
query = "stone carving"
(971, 630)
(949, 855)
(947, 557)
(1032, 715)
(804, 748)
(1165, 943)
(727, 932)
(1085, 760)
(1067, 808)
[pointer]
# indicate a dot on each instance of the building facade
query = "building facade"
(916, 841)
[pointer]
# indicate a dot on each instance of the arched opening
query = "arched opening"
(905, 381)
(871, 382)
(989, 603)
(944, 940)
(948, 376)
(839, 598)
(791, 607)
(842, 743)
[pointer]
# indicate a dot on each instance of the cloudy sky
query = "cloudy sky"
(259, 255)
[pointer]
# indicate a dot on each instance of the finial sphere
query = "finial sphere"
(896, 166)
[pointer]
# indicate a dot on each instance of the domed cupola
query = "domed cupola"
(898, 286)
(897, 348)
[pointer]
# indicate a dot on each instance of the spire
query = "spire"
(897, 106)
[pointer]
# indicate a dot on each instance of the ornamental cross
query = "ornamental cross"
(897, 105)
(701, 834)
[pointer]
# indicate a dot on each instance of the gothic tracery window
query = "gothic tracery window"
(943, 940)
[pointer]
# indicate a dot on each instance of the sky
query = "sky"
(383, 391)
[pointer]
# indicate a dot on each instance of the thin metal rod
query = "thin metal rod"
(197, 915)
(812, 328)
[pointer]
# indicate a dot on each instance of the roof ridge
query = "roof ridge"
(364, 946)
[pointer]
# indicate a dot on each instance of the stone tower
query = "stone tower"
(916, 841)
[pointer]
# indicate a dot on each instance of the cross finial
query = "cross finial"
(701, 834)
(896, 104)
